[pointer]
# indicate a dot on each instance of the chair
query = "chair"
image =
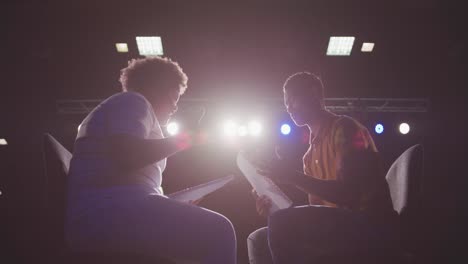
(404, 180)
(57, 163)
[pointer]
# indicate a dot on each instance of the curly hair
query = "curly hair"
(147, 73)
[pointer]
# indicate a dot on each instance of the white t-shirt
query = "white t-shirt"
(92, 171)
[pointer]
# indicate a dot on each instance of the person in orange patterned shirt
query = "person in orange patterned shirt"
(350, 209)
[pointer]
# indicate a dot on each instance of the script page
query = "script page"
(263, 185)
(199, 191)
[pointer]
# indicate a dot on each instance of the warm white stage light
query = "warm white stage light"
(230, 128)
(367, 47)
(121, 47)
(150, 46)
(172, 128)
(242, 131)
(3, 141)
(255, 128)
(340, 46)
(404, 128)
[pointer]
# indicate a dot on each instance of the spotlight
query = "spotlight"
(367, 47)
(285, 129)
(379, 128)
(254, 128)
(340, 46)
(404, 128)
(150, 46)
(3, 141)
(230, 128)
(121, 47)
(172, 128)
(242, 131)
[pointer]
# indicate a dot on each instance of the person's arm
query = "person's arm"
(334, 191)
(358, 172)
(128, 124)
(262, 204)
(354, 163)
(355, 172)
(131, 152)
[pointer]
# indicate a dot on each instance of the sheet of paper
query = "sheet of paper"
(199, 191)
(263, 185)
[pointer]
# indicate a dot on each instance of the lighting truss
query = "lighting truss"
(392, 105)
(337, 105)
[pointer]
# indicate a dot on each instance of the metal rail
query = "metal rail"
(341, 105)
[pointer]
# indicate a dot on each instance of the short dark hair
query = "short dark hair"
(140, 74)
(304, 84)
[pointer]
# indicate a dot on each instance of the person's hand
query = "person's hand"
(199, 136)
(195, 131)
(262, 204)
(195, 202)
(191, 138)
(277, 169)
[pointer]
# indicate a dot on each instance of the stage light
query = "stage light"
(242, 131)
(121, 47)
(3, 142)
(404, 128)
(379, 129)
(367, 47)
(254, 128)
(172, 128)
(340, 46)
(230, 128)
(285, 129)
(149, 46)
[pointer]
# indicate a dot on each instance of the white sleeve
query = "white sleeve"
(131, 115)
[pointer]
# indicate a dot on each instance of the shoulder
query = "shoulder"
(350, 131)
(129, 102)
(347, 123)
(129, 105)
(131, 98)
(344, 127)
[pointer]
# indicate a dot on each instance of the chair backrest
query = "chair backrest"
(404, 179)
(56, 164)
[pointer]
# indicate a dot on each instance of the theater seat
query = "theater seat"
(56, 164)
(404, 180)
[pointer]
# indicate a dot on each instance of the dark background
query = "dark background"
(235, 53)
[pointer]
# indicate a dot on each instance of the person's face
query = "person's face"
(166, 105)
(302, 109)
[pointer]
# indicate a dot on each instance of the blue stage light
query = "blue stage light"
(285, 129)
(379, 128)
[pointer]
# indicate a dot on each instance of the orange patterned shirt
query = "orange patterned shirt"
(337, 137)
